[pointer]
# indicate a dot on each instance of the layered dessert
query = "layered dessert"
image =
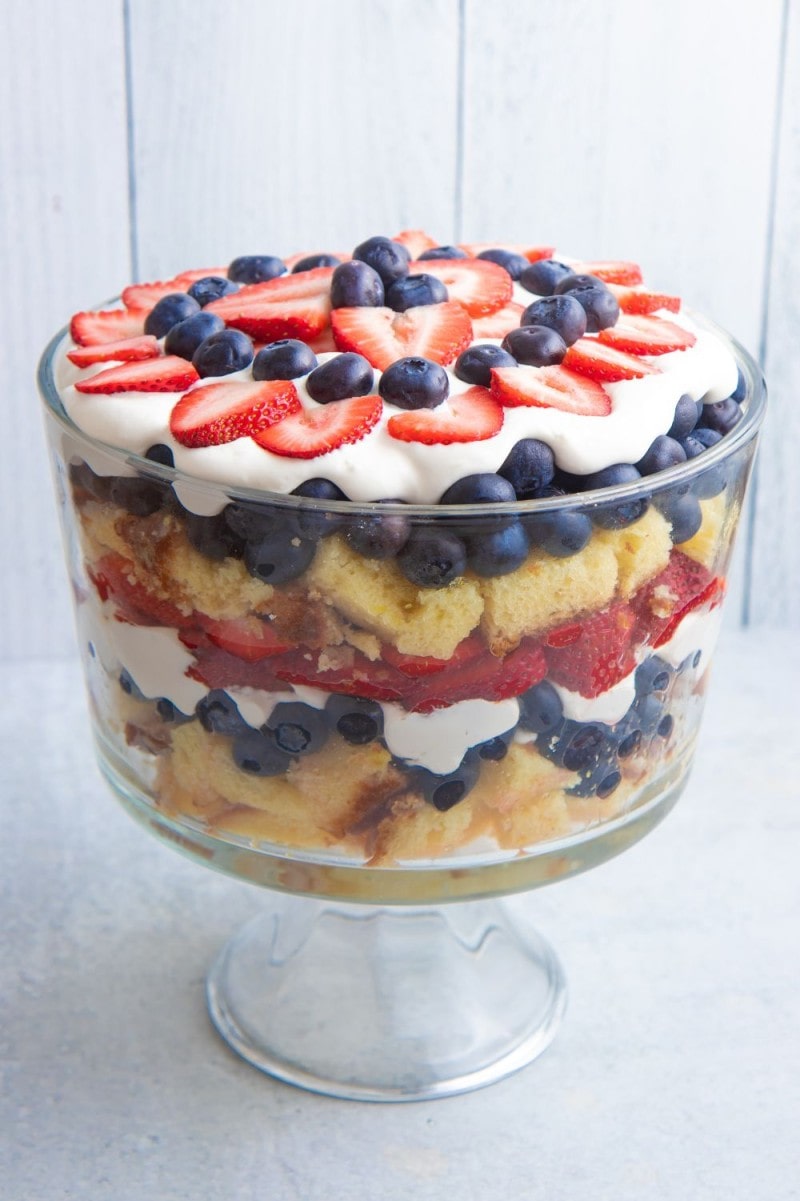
(400, 555)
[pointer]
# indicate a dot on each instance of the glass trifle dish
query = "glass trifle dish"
(397, 580)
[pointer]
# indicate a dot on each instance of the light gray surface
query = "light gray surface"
(675, 1074)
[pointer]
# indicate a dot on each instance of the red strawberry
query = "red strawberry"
(109, 325)
(130, 350)
(416, 241)
(646, 335)
(589, 357)
(312, 432)
(187, 278)
(470, 416)
(591, 656)
(167, 373)
(477, 285)
(291, 306)
(247, 638)
(486, 677)
(661, 604)
(433, 331)
(424, 665)
(212, 414)
(642, 300)
(498, 324)
(143, 297)
(359, 677)
(113, 578)
(322, 343)
(611, 272)
(550, 388)
(531, 253)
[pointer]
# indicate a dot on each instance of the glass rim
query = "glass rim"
(753, 410)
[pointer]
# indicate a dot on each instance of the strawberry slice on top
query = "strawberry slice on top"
(646, 335)
(129, 350)
(642, 300)
(416, 241)
(531, 253)
(595, 359)
(480, 286)
(167, 373)
(550, 388)
(471, 416)
(143, 297)
(213, 414)
(108, 325)
(290, 306)
(611, 271)
(432, 331)
(498, 324)
(312, 432)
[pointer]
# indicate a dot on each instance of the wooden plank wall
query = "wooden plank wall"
(138, 137)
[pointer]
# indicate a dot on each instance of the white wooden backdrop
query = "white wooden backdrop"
(139, 137)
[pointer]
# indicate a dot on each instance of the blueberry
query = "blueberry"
(569, 283)
(562, 313)
(129, 686)
(185, 337)
(312, 523)
(138, 496)
(535, 345)
(483, 488)
(685, 419)
(662, 453)
(740, 391)
(251, 523)
(159, 453)
(599, 780)
(378, 536)
(706, 437)
(599, 303)
(543, 277)
(223, 353)
(559, 534)
(169, 712)
(432, 558)
(652, 675)
(414, 383)
(414, 290)
(356, 285)
(443, 252)
(648, 710)
(287, 359)
(711, 481)
(358, 720)
(498, 552)
(540, 709)
(721, 417)
(279, 557)
(256, 268)
(310, 261)
(297, 729)
(577, 746)
(474, 366)
(168, 312)
(81, 476)
(217, 712)
(665, 726)
(212, 536)
(684, 514)
(616, 516)
(258, 755)
(347, 374)
(628, 734)
(445, 791)
(513, 263)
(495, 749)
(528, 467)
(211, 287)
(388, 258)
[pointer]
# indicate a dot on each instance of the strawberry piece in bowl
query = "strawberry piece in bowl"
(599, 361)
(481, 287)
(550, 388)
(646, 335)
(595, 654)
(167, 373)
(438, 332)
(248, 638)
(213, 414)
(531, 253)
(106, 325)
(312, 432)
(471, 416)
(416, 241)
(642, 300)
(611, 271)
(290, 306)
(129, 350)
(498, 324)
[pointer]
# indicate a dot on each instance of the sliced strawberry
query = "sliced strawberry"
(167, 373)
(712, 595)
(109, 325)
(416, 241)
(113, 578)
(471, 416)
(592, 655)
(432, 331)
(661, 604)
(291, 306)
(589, 357)
(550, 388)
(247, 638)
(212, 414)
(477, 285)
(143, 297)
(425, 665)
(130, 350)
(642, 300)
(531, 253)
(498, 324)
(187, 278)
(486, 678)
(323, 343)
(611, 271)
(646, 335)
(312, 432)
(359, 677)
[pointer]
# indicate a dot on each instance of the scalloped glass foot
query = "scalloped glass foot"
(386, 1004)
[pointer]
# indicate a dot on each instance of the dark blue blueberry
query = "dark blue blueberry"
(562, 313)
(497, 552)
(212, 536)
(628, 734)
(256, 268)
(185, 337)
(138, 496)
(279, 557)
(223, 353)
(376, 535)
(298, 729)
(357, 719)
(662, 453)
(414, 383)
(685, 419)
(252, 523)
(432, 558)
(721, 417)
(577, 280)
(529, 467)
(388, 258)
(168, 312)
(621, 513)
(540, 709)
(474, 366)
(684, 514)
(170, 713)
(740, 391)
(311, 261)
(211, 287)
(218, 713)
(445, 791)
(648, 710)
(483, 488)
(599, 303)
(313, 523)
(415, 290)
(159, 453)
(513, 263)
(653, 675)
(347, 374)
(543, 277)
(443, 252)
(129, 685)
(665, 726)
(287, 359)
(257, 754)
(535, 345)
(713, 480)
(356, 285)
(565, 483)
(706, 437)
(599, 780)
(578, 746)
(559, 534)
(495, 749)
(82, 476)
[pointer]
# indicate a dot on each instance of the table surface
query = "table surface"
(676, 1073)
